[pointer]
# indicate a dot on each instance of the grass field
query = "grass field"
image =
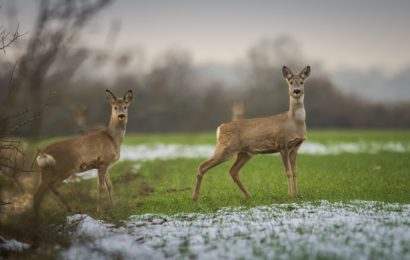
(164, 188)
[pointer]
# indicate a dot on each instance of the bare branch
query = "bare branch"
(10, 85)
(6, 39)
(29, 119)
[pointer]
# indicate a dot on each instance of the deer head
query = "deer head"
(296, 82)
(119, 106)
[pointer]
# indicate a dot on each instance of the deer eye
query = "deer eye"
(125, 107)
(301, 82)
(115, 108)
(291, 82)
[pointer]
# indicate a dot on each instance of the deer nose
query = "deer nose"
(296, 91)
(121, 116)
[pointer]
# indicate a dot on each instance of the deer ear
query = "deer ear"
(110, 97)
(128, 96)
(305, 72)
(287, 73)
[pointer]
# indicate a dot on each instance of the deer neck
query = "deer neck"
(116, 129)
(297, 110)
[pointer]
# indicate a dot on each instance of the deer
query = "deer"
(79, 114)
(238, 109)
(101, 149)
(283, 133)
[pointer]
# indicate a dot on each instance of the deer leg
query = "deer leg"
(101, 182)
(38, 198)
(288, 169)
(241, 159)
(61, 198)
(293, 155)
(204, 167)
(108, 184)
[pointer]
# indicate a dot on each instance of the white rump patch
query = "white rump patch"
(218, 131)
(45, 159)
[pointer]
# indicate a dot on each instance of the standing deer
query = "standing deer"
(100, 150)
(238, 109)
(283, 133)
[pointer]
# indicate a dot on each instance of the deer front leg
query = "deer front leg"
(288, 169)
(102, 171)
(293, 155)
(108, 184)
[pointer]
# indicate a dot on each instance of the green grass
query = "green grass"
(166, 186)
(383, 177)
(320, 136)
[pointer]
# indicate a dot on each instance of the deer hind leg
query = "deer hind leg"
(108, 184)
(288, 169)
(241, 159)
(217, 158)
(55, 191)
(292, 157)
(102, 171)
(38, 198)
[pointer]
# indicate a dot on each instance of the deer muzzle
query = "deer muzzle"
(121, 117)
(297, 92)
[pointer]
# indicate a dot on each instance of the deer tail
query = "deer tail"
(44, 159)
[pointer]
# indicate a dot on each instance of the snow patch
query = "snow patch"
(160, 151)
(12, 245)
(355, 230)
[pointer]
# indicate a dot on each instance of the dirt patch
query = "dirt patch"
(173, 190)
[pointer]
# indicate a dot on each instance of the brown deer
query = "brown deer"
(283, 133)
(238, 109)
(100, 150)
(79, 114)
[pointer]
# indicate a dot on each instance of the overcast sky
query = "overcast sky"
(358, 34)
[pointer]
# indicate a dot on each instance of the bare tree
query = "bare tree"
(58, 25)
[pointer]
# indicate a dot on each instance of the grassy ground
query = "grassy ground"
(321, 136)
(166, 186)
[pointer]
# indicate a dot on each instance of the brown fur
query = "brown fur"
(238, 109)
(99, 150)
(283, 133)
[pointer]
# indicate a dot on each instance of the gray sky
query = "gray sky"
(357, 34)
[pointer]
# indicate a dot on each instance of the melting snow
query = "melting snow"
(147, 152)
(159, 151)
(12, 245)
(356, 230)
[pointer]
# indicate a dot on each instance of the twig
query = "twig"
(11, 78)
(5, 42)
(2, 203)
